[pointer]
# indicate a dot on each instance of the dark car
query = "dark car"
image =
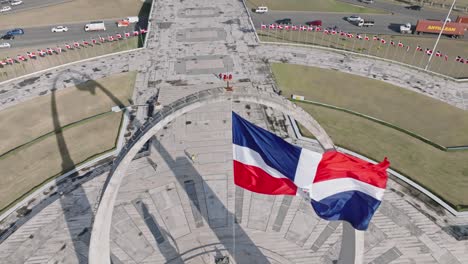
(16, 31)
(284, 21)
(8, 36)
(414, 7)
(317, 23)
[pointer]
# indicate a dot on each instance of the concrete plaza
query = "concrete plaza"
(179, 204)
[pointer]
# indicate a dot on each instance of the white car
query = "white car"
(59, 29)
(5, 8)
(353, 18)
(16, 2)
(261, 10)
(5, 45)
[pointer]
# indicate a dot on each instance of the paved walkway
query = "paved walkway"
(179, 204)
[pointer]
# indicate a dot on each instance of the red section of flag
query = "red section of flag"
(257, 180)
(336, 165)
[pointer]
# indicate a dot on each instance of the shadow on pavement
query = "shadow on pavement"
(193, 177)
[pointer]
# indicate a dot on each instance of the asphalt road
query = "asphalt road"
(384, 23)
(42, 37)
(31, 4)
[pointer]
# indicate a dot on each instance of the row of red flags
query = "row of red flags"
(358, 36)
(75, 44)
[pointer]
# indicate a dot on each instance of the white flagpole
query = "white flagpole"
(352, 245)
(440, 34)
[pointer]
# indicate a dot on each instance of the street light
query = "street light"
(440, 34)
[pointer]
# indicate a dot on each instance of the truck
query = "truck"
(95, 26)
(462, 19)
(452, 29)
(365, 23)
(405, 29)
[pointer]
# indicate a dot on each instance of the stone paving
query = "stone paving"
(179, 205)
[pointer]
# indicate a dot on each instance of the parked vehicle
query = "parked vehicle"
(261, 9)
(406, 29)
(5, 45)
(353, 18)
(462, 19)
(95, 26)
(15, 32)
(452, 29)
(317, 23)
(284, 21)
(365, 23)
(414, 7)
(5, 9)
(367, 1)
(7, 36)
(123, 23)
(16, 2)
(132, 19)
(59, 29)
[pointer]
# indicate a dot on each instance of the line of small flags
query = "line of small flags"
(71, 46)
(358, 36)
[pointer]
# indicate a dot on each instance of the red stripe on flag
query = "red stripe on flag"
(257, 180)
(336, 165)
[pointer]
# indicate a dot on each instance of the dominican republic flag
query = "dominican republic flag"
(263, 26)
(341, 187)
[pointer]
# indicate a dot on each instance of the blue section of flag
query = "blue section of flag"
(354, 207)
(276, 152)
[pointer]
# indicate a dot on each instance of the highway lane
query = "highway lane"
(42, 37)
(31, 4)
(425, 13)
(384, 23)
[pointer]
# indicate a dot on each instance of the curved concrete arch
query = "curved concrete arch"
(99, 252)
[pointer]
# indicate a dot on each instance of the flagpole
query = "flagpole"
(370, 45)
(352, 245)
(440, 34)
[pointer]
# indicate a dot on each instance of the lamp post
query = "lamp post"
(440, 34)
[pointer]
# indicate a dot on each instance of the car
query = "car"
(5, 9)
(16, 31)
(414, 7)
(16, 2)
(5, 45)
(59, 29)
(284, 21)
(353, 18)
(367, 1)
(8, 36)
(123, 23)
(317, 23)
(261, 9)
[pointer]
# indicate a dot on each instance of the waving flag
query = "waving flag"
(341, 187)
(143, 31)
(136, 33)
(272, 26)
(68, 46)
(127, 34)
(3, 63)
(400, 44)
(21, 58)
(263, 26)
(31, 55)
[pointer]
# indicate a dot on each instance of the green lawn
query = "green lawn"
(423, 115)
(24, 122)
(312, 5)
(57, 135)
(450, 47)
(443, 173)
